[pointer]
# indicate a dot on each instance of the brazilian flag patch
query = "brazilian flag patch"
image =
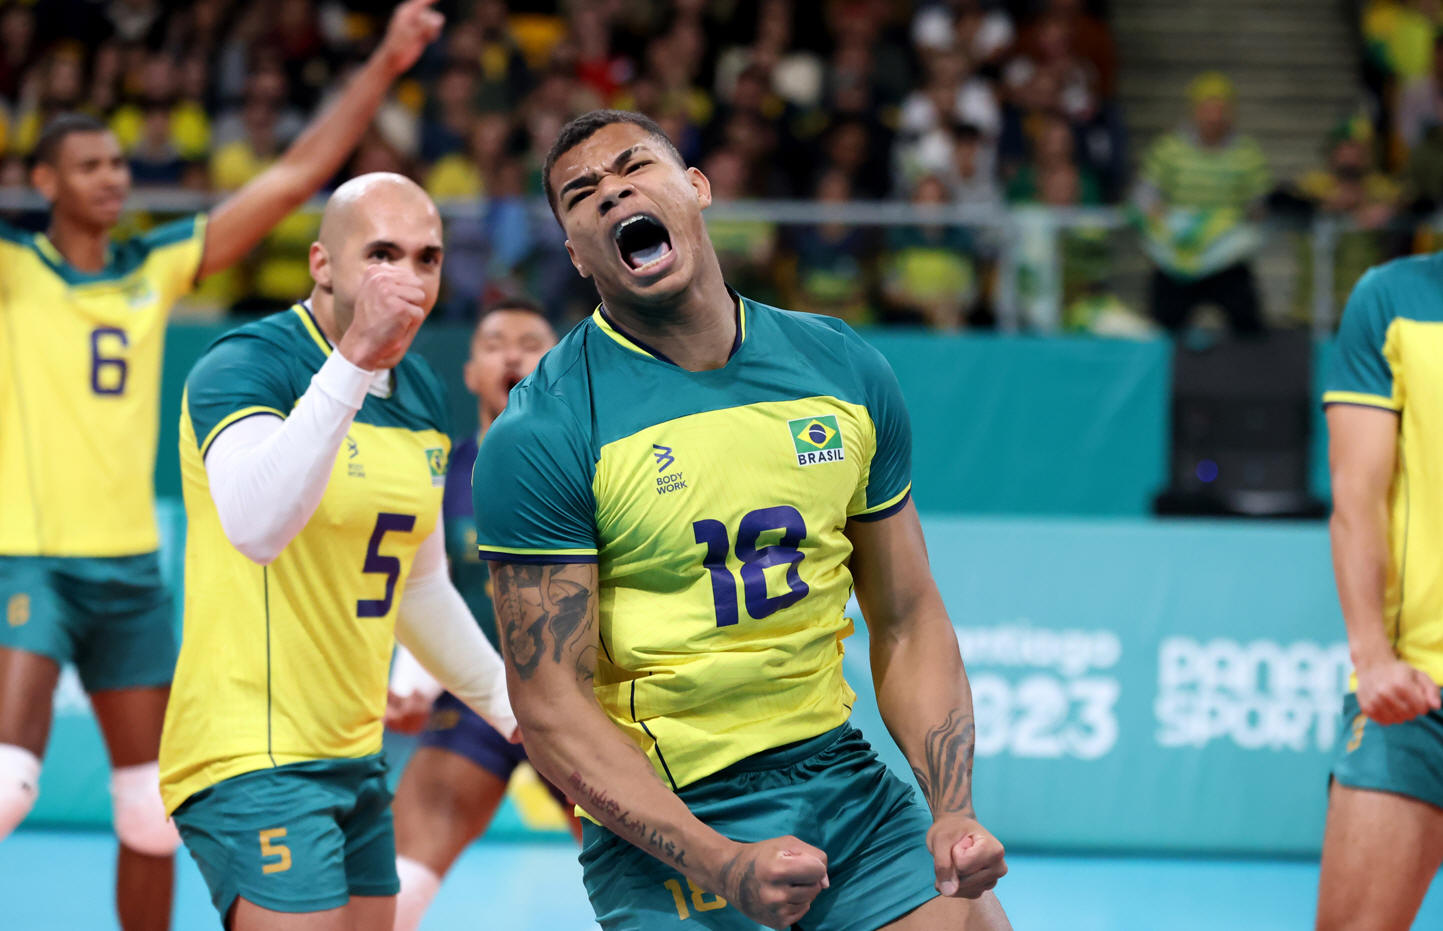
(436, 460)
(817, 439)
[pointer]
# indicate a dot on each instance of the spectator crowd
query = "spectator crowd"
(963, 102)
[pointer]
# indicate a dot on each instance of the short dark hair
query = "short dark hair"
(584, 127)
(515, 304)
(53, 136)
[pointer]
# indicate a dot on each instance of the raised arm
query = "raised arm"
(241, 220)
(1362, 451)
(547, 618)
(923, 694)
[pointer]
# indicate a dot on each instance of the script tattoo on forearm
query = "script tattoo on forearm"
(946, 776)
(595, 800)
(541, 611)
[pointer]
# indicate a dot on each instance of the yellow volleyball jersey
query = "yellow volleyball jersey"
(1389, 355)
(288, 662)
(80, 359)
(715, 505)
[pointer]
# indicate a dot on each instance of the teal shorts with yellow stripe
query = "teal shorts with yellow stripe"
(303, 837)
(831, 792)
(1405, 759)
(111, 616)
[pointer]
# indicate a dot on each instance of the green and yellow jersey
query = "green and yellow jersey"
(1389, 355)
(288, 662)
(80, 358)
(714, 504)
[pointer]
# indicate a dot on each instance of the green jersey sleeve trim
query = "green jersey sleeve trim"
(886, 508)
(1360, 399)
(539, 557)
(1361, 368)
(532, 484)
(175, 232)
(241, 375)
(230, 419)
(889, 475)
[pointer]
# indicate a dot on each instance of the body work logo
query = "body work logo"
(353, 468)
(817, 439)
(436, 460)
(672, 481)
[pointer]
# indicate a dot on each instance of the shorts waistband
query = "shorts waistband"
(787, 754)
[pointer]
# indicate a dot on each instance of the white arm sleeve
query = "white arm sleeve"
(267, 475)
(409, 677)
(434, 623)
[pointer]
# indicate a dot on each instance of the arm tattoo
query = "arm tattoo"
(544, 610)
(651, 839)
(742, 891)
(946, 780)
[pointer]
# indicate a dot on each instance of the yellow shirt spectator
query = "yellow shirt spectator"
(455, 177)
(189, 128)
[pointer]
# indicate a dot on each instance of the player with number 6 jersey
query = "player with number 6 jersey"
(313, 462)
(82, 325)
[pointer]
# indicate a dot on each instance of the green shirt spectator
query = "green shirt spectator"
(1201, 190)
(1199, 186)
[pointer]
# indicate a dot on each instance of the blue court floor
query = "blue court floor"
(61, 880)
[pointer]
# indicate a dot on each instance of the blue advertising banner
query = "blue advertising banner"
(1161, 686)
(1139, 685)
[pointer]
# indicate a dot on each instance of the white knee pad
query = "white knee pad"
(19, 785)
(140, 820)
(419, 885)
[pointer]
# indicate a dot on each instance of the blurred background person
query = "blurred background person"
(1200, 195)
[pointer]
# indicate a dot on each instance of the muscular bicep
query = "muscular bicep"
(891, 571)
(546, 617)
(1362, 453)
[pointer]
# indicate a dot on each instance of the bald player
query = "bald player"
(313, 461)
(82, 323)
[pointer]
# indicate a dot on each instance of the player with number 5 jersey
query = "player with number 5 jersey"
(676, 505)
(82, 325)
(313, 462)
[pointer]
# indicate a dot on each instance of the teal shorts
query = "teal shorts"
(303, 837)
(1405, 759)
(831, 792)
(112, 617)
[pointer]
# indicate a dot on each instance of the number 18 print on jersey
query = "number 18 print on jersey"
(714, 505)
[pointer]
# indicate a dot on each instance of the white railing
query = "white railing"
(1000, 225)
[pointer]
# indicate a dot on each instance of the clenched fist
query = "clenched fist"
(968, 859)
(390, 308)
(1391, 691)
(774, 881)
(413, 26)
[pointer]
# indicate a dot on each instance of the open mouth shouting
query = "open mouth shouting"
(644, 244)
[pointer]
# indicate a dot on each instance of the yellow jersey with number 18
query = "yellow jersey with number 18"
(288, 662)
(80, 358)
(715, 505)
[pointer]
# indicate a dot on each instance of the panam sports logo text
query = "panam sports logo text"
(817, 439)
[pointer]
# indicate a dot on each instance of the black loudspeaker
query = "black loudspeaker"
(1241, 429)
